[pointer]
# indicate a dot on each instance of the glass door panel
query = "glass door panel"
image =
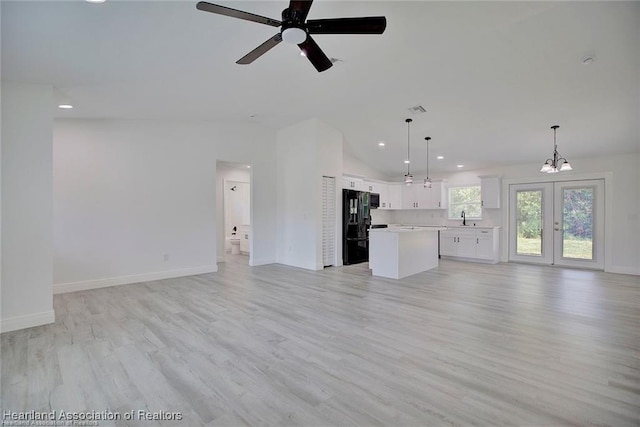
(529, 222)
(530, 217)
(578, 223)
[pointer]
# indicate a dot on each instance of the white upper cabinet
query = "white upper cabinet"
(490, 189)
(352, 183)
(393, 199)
(415, 196)
(375, 187)
(437, 196)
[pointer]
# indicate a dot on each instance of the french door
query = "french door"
(559, 223)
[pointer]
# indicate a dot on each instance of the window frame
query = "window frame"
(450, 204)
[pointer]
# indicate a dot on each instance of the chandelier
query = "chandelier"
(557, 163)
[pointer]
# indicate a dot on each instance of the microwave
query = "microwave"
(374, 200)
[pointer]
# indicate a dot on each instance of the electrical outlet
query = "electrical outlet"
(165, 257)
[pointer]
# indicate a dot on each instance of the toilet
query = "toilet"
(234, 241)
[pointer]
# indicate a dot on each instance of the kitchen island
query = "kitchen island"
(403, 251)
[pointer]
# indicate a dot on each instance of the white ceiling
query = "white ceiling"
(493, 76)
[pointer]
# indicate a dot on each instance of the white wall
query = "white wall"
(127, 192)
(306, 152)
(623, 212)
(26, 283)
(354, 166)
(226, 172)
(329, 163)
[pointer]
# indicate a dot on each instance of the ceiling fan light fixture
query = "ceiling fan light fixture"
(294, 35)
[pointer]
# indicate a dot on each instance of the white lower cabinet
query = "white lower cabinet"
(470, 243)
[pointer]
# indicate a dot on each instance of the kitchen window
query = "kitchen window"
(465, 198)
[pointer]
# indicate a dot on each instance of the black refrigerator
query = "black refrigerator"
(356, 220)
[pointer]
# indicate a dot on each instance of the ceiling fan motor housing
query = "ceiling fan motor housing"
(293, 28)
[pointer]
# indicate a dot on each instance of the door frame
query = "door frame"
(608, 217)
(546, 190)
(597, 262)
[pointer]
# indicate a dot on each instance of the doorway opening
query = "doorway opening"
(233, 212)
(558, 223)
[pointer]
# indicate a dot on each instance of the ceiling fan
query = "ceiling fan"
(296, 29)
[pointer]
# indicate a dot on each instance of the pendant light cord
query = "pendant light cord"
(408, 149)
(427, 139)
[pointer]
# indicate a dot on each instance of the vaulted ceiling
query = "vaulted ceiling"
(492, 76)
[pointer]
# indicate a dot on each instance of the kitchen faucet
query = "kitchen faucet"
(464, 218)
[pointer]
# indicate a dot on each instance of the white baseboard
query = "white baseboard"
(27, 321)
(624, 270)
(136, 278)
(262, 261)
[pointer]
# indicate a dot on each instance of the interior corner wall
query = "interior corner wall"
(307, 151)
(135, 200)
(26, 281)
(297, 210)
(330, 163)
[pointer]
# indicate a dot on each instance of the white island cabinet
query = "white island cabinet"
(400, 252)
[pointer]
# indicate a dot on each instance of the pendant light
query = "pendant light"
(557, 163)
(408, 178)
(427, 180)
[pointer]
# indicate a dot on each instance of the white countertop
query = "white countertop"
(442, 227)
(407, 229)
(472, 226)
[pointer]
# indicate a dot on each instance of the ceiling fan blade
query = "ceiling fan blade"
(367, 25)
(314, 54)
(260, 50)
(302, 6)
(227, 11)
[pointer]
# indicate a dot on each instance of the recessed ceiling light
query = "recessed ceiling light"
(65, 106)
(95, 1)
(407, 161)
(248, 166)
(381, 144)
(460, 166)
(440, 157)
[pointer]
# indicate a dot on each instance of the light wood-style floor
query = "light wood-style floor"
(464, 344)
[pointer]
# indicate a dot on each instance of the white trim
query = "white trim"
(27, 321)
(126, 280)
(261, 261)
(624, 270)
